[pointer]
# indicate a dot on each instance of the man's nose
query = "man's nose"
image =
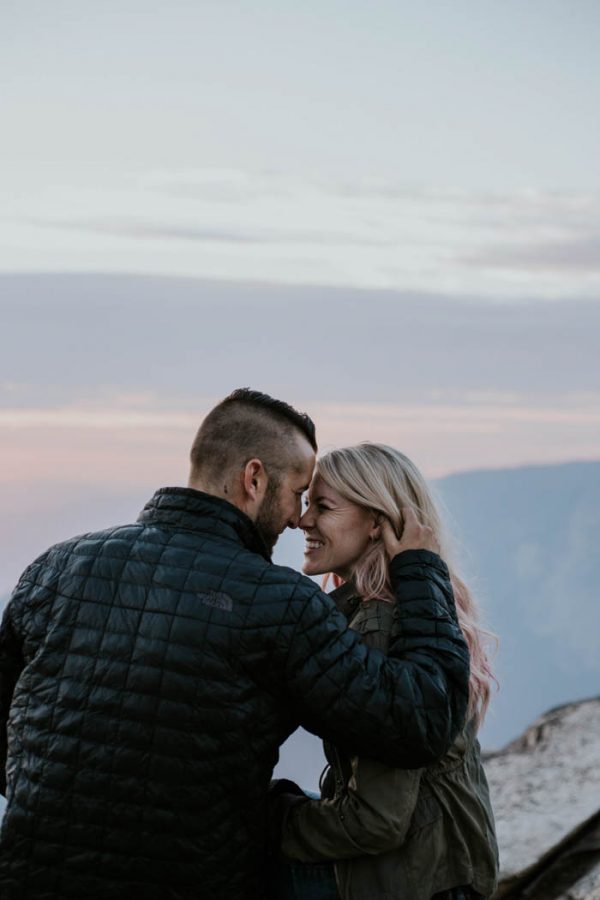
(296, 516)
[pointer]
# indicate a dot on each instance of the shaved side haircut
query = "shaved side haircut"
(246, 425)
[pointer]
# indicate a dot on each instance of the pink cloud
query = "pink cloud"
(143, 447)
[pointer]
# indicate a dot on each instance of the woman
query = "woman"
(390, 834)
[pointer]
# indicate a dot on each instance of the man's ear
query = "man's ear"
(253, 481)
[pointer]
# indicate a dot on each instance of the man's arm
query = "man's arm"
(12, 655)
(11, 665)
(404, 709)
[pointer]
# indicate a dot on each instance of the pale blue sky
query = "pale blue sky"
(443, 146)
(387, 168)
(476, 95)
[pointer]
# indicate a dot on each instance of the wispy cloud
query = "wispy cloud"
(487, 417)
(62, 418)
(137, 229)
(238, 225)
(132, 442)
(182, 337)
(581, 255)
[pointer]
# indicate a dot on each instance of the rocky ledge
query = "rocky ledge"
(545, 790)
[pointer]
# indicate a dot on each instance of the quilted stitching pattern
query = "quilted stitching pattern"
(154, 671)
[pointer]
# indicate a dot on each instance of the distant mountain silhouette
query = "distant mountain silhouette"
(531, 535)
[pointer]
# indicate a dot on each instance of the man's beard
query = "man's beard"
(267, 521)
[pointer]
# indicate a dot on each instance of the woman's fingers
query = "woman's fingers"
(391, 541)
(415, 536)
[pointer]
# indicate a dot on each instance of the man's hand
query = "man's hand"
(414, 535)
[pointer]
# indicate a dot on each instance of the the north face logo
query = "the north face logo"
(216, 599)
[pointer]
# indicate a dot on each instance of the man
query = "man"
(152, 671)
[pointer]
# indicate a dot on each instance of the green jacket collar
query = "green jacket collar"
(346, 598)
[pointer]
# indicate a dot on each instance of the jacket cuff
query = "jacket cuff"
(417, 558)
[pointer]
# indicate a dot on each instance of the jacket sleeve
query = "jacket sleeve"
(370, 816)
(404, 709)
(11, 664)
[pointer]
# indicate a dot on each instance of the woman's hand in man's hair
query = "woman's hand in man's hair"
(414, 535)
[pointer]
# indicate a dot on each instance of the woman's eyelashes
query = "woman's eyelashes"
(320, 507)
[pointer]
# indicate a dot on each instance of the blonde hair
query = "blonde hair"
(382, 479)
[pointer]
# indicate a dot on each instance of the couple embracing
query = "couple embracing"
(149, 674)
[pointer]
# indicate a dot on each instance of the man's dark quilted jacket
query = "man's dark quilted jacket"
(154, 670)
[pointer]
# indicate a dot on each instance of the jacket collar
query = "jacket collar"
(193, 510)
(346, 598)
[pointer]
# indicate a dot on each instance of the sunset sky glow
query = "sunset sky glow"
(385, 214)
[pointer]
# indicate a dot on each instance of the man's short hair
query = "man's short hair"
(246, 425)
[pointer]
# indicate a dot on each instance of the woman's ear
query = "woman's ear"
(376, 529)
(381, 519)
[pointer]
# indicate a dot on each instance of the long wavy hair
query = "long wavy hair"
(383, 480)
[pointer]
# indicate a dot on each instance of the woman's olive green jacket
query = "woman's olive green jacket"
(397, 833)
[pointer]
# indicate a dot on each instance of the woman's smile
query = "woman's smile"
(312, 544)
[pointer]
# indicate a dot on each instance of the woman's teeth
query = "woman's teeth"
(313, 545)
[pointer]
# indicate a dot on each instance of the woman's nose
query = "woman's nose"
(307, 520)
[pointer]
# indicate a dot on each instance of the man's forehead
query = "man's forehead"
(301, 451)
(304, 472)
(303, 463)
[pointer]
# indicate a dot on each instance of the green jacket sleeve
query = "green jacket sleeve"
(370, 816)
